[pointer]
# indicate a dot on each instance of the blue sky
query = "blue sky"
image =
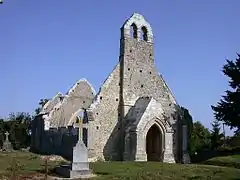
(47, 45)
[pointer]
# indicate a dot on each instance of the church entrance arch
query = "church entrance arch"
(154, 143)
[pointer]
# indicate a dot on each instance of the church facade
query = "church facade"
(133, 117)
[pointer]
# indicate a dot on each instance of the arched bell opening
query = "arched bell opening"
(134, 31)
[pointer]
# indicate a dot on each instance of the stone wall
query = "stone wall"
(52, 102)
(80, 96)
(134, 76)
(58, 141)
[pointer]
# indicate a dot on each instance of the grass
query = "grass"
(229, 161)
(154, 170)
(31, 165)
(28, 163)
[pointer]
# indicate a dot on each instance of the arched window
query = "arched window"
(133, 31)
(144, 34)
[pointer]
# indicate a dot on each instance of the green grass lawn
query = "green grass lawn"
(28, 163)
(230, 161)
(154, 170)
(31, 165)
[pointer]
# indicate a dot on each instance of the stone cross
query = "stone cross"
(81, 125)
(7, 134)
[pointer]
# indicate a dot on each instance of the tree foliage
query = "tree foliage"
(227, 109)
(19, 127)
(200, 138)
(216, 135)
(41, 103)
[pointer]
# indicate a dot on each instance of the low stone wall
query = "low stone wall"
(57, 141)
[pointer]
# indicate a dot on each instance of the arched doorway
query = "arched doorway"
(154, 144)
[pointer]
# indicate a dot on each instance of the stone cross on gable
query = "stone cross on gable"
(7, 134)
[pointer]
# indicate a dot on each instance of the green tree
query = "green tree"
(200, 138)
(216, 135)
(41, 103)
(18, 125)
(1, 132)
(227, 109)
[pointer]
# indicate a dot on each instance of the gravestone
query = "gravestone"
(80, 165)
(186, 157)
(7, 146)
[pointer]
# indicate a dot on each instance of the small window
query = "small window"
(128, 69)
(101, 97)
(140, 71)
(142, 86)
(83, 102)
(130, 51)
(116, 99)
(97, 127)
(150, 72)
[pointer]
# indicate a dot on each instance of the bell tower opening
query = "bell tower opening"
(133, 31)
(144, 34)
(154, 143)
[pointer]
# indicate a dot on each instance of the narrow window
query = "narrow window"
(144, 34)
(133, 31)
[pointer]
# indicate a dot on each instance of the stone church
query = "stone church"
(133, 117)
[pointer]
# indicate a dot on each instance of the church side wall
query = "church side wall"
(104, 137)
(60, 141)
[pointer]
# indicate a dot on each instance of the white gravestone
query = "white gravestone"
(80, 152)
(7, 146)
(80, 165)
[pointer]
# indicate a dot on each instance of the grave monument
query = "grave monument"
(80, 165)
(7, 146)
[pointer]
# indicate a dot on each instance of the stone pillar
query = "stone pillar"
(168, 156)
(90, 139)
(141, 154)
(186, 157)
